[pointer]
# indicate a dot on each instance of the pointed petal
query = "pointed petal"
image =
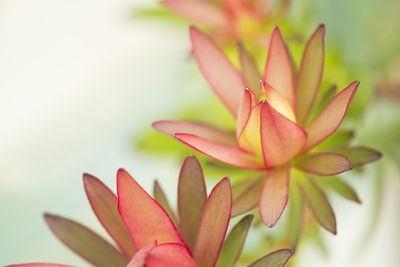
(85, 243)
(341, 187)
(162, 199)
(227, 154)
(248, 198)
(192, 196)
(249, 69)
(278, 69)
(234, 243)
(171, 127)
(318, 203)
(277, 258)
(105, 205)
(219, 72)
(38, 264)
(199, 11)
(244, 111)
(281, 138)
(310, 74)
(214, 223)
(360, 155)
(170, 254)
(330, 118)
(250, 139)
(278, 102)
(324, 163)
(145, 219)
(274, 195)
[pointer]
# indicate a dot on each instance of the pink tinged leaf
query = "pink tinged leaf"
(248, 198)
(234, 243)
(146, 220)
(228, 154)
(199, 11)
(161, 198)
(170, 127)
(318, 203)
(213, 226)
(244, 111)
(139, 260)
(192, 196)
(310, 74)
(85, 243)
(360, 155)
(170, 254)
(249, 69)
(278, 102)
(281, 138)
(219, 72)
(277, 258)
(274, 195)
(330, 118)
(324, 163)
(105, 205)
(250, 139)
(278, 69)
(38, 264)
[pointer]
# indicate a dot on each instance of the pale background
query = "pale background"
(78, 80)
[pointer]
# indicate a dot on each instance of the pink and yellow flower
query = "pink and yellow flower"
(273, 130)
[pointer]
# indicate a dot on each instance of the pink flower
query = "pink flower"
(273, 131)
(148, 233)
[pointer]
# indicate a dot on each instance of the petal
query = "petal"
(170, 254)
(162, 199)
(38, 264)
(244, 111)
(192, 196)
(250, 139)
(310, 74)
(199, 11)
(249, 69)
(341, 187)
(214, 223)
(171, 127)
(330, 118)
(278, 69)
(360, 155)
(247, 199)
(234, 243)
(277, 258)
(105, 205)
(227, 154)
(85, 242)
(145, 219)
(324, 163)
(281, 138)
(278, 102)
(219, 72)
(318, 203)
(139, 260)
(274, 195)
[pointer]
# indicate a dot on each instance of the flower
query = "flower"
(230, 19)
(144, 228)
(273, 129)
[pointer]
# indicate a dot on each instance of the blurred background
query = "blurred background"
(80, 81)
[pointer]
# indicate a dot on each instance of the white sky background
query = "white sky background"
(77, 80)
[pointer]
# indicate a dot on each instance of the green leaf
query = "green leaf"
(85, 242)
(339, 186)
(192, 196)
(318, 203)
(277, 258)
(339, 138)
(249, 69)
(105, 205)
(234, 243)
(360, 155)
(295, 215)
(161, 198)
(246, 195)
